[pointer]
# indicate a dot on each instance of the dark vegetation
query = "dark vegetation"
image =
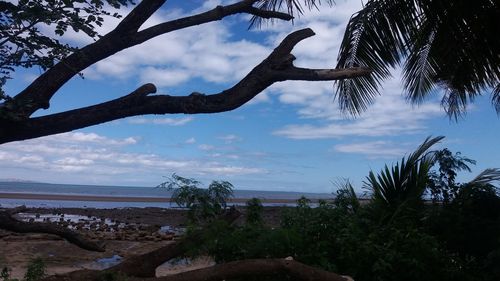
(34, 272)
(418, 224)
(405, 232)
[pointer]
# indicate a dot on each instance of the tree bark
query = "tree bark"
(7, 222)
(278, 66)
(252, 268)
(16, 122)
(226, 271)
(39, 93)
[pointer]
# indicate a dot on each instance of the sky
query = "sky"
(291, 137)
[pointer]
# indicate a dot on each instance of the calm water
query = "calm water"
(126, 191)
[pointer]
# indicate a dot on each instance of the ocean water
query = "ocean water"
(122, 191)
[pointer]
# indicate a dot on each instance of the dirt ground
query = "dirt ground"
(138, 232)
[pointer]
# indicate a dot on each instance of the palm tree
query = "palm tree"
(445, 44)
(439, 43)
(404, 184)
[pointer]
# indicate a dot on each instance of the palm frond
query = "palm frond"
(419, 69)
(375, 38)
(443, 43)
(455, 103)
(406, 181)
(495, 98)
(486, 177)
(292, 7)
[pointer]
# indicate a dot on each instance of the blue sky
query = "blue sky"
(291, 137)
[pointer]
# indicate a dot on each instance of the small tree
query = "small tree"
(442, 185)
(203, 204)
(402, 186)
(254, 211)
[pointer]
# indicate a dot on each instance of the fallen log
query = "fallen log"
(8, 222)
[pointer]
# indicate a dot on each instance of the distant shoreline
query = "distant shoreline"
(103, 198)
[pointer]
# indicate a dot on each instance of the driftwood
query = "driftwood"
(8, 222)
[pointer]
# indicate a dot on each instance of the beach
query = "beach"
(124, 232)
(126, 225)
(103, 198)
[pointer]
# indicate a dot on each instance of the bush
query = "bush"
(34, 272)
(203, 204)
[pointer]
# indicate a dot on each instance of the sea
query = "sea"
(123, 191)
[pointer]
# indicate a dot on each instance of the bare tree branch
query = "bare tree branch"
(38, 94)
(278, 66)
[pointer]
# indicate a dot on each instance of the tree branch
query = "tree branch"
(38, 94)
(226, 271)
(253, 268)
(140, 14)
(7, 222)
(278, 66)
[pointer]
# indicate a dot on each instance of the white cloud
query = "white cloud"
(207, 52)
(228, 139)
(373, 149)
(206, 147)
(74, 161)
(76, 157)
(389, 115)
(161, 121)
(190, 140)
(164, 76)
(95, 138)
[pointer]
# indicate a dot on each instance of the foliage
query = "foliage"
(113, 276)
(203, 204)
(447, 44)
(401, 188)
(452, 241)
(25, 41)
(442, 186)
(254, 210)
(34, 272)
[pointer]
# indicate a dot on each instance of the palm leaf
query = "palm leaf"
(292, 7)
(405, 182)
(486, 177)
(495, 98)
(419, 69)
(373, 39)
(452, 44)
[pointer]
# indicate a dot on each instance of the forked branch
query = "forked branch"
(278, 66)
